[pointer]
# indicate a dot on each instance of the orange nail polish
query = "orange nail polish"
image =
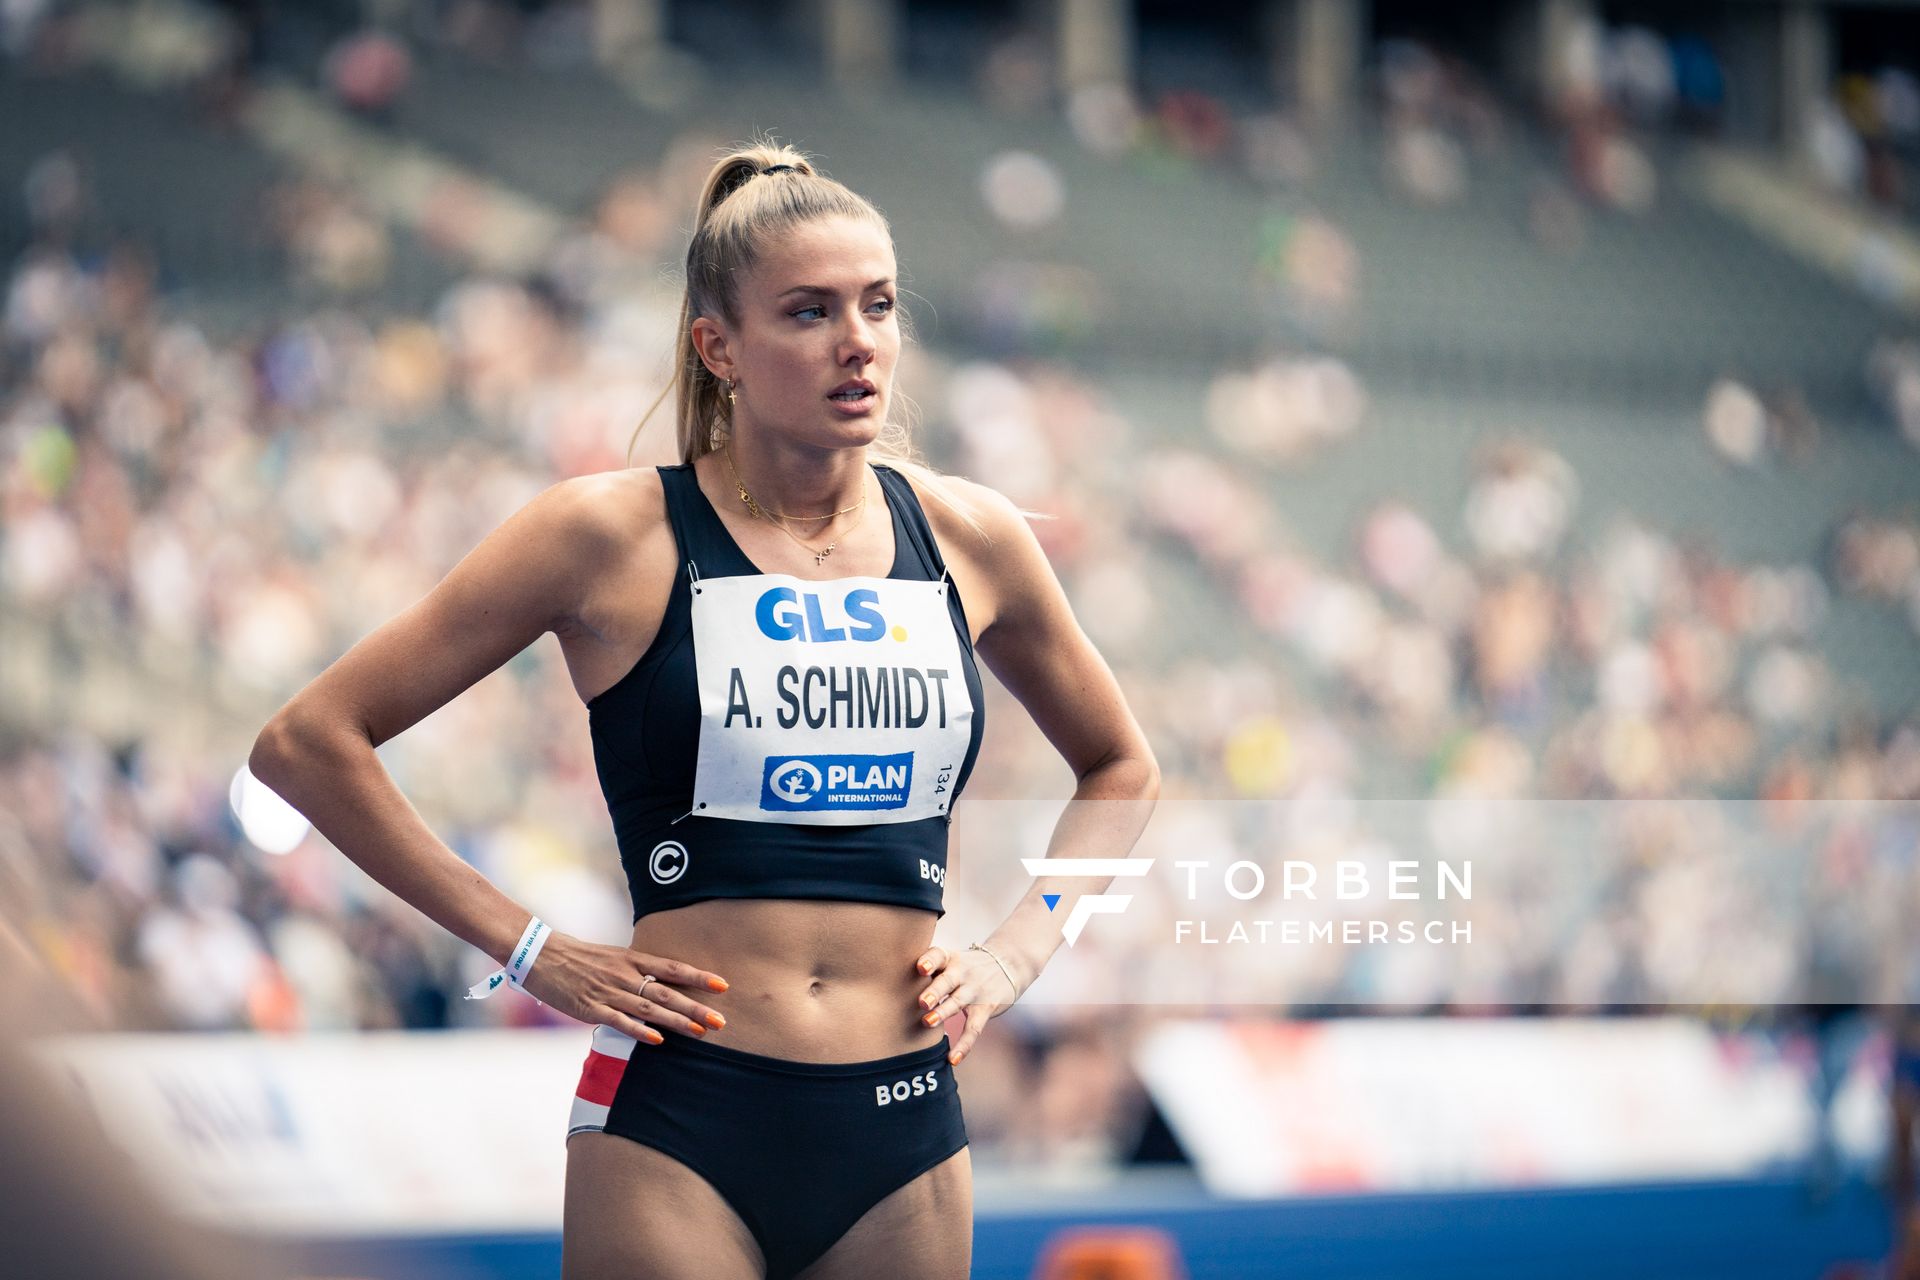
(953, 1059)
(715, 1021)
(657, 1038)
(717, 984)
(932, 1019)
(696, 1029)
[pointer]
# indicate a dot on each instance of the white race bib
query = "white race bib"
(834, 703)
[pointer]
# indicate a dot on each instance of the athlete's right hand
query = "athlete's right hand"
(597, 983)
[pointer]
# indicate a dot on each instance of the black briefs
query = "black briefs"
(800, 1150)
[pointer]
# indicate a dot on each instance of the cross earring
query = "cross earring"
(732, 399)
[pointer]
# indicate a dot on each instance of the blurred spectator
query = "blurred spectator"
(1286, 409)
(332, 241)
(367, 72)
(1521, 503)
(1893, 375)
(1736, 422)
(1021, 190)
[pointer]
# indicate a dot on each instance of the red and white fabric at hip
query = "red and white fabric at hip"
(599, 1080)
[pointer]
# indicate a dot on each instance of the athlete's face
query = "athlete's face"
(815, 313)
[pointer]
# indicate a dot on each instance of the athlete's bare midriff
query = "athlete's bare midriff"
(809, 981)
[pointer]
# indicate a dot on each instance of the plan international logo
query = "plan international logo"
(1093, 904)
(795, 784)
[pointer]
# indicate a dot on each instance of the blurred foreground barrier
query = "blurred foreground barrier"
(339, 1135)
(375, 1134)
(72, 1207)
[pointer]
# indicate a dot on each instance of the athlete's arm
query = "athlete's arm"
(1031, 641)
(526, 578)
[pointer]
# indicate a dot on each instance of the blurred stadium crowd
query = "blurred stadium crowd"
(201, 504)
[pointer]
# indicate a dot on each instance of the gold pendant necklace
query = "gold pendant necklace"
(779, 519)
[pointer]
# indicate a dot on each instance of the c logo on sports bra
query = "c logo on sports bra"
(667, 862)
(796, 782)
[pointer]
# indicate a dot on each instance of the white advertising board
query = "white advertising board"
(350, 1134)
(1268, 1108)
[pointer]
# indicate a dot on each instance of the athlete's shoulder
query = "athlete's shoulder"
(604, 508)
(969, 517)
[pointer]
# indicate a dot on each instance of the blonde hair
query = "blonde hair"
(741, 209)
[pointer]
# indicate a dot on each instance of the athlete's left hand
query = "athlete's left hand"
(964, 982)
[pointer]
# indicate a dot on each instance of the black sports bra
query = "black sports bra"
(814, 740)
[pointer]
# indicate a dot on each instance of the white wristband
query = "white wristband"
(519, 961)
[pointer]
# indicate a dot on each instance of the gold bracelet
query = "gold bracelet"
(974, 946)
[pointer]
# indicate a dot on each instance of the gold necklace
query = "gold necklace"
(779, 518)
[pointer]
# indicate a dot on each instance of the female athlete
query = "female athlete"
(776, 642)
